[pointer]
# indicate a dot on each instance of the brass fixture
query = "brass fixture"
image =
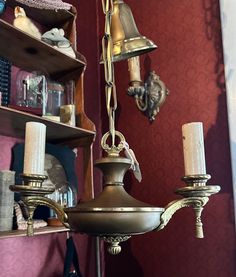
(196, 194)
(114, 215)
(129, 44)
(150, 95)
(33, 193)
(127, 41)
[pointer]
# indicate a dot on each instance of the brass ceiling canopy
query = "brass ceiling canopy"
(127, 41)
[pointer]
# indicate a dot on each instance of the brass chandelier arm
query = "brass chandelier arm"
(196, 202)
(32, 202)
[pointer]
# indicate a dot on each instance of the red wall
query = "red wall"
(189, 61)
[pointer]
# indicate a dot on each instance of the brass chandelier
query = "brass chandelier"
(114, 215)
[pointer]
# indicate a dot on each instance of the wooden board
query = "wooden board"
(13, 125)
(39, 231)
(33, 54)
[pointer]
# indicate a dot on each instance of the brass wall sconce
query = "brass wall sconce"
(150, 95)
(114, 215)
(129, 44)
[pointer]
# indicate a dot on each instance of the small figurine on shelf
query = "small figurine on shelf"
(55, 37)
(25, 24)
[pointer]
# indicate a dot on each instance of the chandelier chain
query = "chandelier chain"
(107, 54)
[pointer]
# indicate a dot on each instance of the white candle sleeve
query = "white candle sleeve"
(34, 156)
(193, 147)
(134, 69)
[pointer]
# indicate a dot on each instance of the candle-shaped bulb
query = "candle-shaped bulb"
(193, 146)
(134, 69)
(34, 156)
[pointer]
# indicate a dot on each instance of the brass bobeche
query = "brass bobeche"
(115, 215)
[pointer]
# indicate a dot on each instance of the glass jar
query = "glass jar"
(54, 98)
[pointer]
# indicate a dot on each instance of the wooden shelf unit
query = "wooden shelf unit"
(31, 54)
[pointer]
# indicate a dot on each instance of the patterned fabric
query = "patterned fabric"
(46, 4)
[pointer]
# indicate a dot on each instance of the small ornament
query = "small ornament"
(25, 24)
(55, 37)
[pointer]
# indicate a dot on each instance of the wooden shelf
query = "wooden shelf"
(50, 18)
(39, 231)
(33, 54)
(13, 125)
